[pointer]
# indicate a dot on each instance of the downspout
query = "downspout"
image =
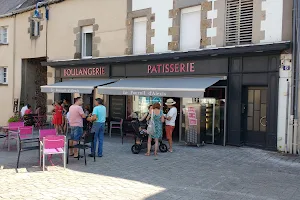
(14, 63)
(297, 62)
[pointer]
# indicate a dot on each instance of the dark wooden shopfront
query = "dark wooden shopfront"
(252, 83)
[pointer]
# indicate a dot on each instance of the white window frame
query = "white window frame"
(84, 31)
(191, 9)
(134, 51)
(186, 11)
(3, 29)
(3, 75)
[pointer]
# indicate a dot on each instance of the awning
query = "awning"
(161, 87)
(76, 86)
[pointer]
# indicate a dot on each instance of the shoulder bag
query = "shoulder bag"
(151, 126)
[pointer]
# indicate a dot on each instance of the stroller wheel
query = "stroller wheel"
(135, 149)
(163, 148)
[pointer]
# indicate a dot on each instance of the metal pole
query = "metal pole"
(297, 56)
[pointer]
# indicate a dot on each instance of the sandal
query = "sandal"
(147, 154)
(155, 154)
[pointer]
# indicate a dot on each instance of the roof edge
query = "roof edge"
(30, 8)
(211, 52)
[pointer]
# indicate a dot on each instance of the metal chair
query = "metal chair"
(86, 143)
(116, 125)
(26, 142)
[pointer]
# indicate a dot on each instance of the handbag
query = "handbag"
(151, 126)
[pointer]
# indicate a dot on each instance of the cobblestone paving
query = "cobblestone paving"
(206, 173)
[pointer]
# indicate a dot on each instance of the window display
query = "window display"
(140, 104)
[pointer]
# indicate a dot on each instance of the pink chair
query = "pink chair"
(46, 132)
(12, 125)
(43, 133)
(24, 138)
(13, 129)
(54, 144)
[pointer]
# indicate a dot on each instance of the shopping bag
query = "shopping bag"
(151, 126)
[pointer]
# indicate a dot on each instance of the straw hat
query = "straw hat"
(170, 102)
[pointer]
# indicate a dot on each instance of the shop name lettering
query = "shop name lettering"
(93, 71)
(171, 68)
(144, 93)
(65, 90)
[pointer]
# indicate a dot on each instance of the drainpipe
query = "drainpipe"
(14, 63)
(296, 46)
(297, 57)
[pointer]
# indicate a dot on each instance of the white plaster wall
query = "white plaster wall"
(284, 100)
(272, 25)
(162, 21)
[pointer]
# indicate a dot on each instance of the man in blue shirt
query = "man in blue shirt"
(98, 118)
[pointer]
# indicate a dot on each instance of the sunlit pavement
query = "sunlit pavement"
(206, 173)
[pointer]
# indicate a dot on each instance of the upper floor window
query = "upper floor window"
(239, 16)
(35, 28)
(190, 33)
(3, 75)
(140, 35)
(3, 35)
(87, 42)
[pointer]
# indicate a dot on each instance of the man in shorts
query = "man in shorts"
(76, 116)
(170, 121)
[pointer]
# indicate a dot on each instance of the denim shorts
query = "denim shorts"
(76, 132)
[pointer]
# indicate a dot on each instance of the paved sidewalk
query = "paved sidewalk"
(206, 173)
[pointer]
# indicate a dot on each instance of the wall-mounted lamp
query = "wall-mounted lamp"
(37, 15)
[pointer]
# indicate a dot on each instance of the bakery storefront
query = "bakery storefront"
(71, 82)
(223, 96)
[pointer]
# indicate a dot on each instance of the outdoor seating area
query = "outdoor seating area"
(20, 138)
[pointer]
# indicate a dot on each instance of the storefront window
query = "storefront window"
(140, 104)
(208, 119)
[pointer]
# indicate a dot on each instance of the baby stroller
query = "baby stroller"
(142, 136)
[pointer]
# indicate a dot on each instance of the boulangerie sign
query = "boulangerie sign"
(78, 72)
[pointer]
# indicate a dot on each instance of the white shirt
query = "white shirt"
(23, 110)
(68, 116)
(173, 114)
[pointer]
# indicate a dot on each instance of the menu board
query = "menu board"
(117, 107)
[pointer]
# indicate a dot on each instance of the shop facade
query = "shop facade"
(239, 84)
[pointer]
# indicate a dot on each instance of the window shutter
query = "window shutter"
(190, 35)
(38, 28)
(1, 75)
(239, 16)
(139, 35)
(32, 27)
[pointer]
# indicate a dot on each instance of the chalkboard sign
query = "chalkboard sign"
(117, 106)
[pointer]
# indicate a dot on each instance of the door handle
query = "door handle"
(243, 108)
(261, 121)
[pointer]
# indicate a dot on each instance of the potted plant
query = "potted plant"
(14, 119)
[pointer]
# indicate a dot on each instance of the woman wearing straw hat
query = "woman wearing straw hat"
(170, 121)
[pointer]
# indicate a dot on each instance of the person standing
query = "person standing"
(76, 115)
(157, 116)
(58, 117)
(98, 118)
(170, 122)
